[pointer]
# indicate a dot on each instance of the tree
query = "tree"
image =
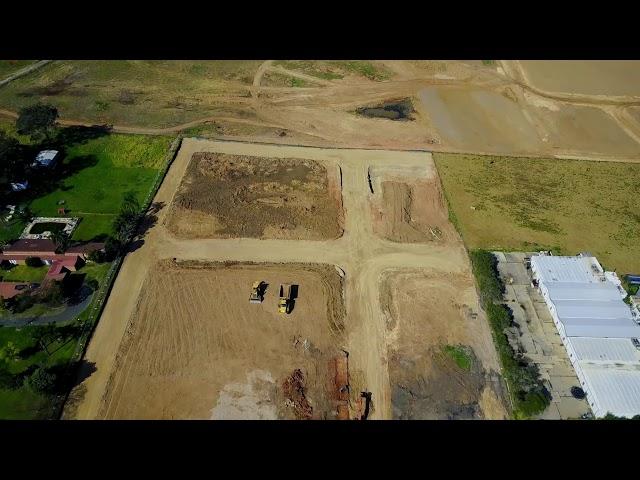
(42, 335)
(38, 121)
(130, 204)
(33, 262)
(111, 248)
(42, 380)
(125, 224)
(12, 162)
(61, 241)
(9, 353)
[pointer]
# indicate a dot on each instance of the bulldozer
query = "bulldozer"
(257, 292)
(284, 304)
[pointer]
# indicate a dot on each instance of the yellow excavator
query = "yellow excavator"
(257, 292)
(284, 304)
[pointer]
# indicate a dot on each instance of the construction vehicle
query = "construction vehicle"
(284, 304)
(257, 292)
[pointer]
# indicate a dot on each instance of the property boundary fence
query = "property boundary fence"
(99, 299)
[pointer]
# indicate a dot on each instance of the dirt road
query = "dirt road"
(362, 254)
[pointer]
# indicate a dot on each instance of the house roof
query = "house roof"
(8, 289)
(84, 248)
(27, 245)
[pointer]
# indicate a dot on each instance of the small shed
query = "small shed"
(46, 159)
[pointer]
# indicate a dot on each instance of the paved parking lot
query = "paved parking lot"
(537, 337)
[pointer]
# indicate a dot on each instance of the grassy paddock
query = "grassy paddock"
(9, 67)
(113, 165)
(569, 206)
(150, 93)
(23, 273)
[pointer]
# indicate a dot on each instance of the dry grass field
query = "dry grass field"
(152, 93)
(566, 205)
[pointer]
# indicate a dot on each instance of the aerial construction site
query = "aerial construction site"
(293, 282)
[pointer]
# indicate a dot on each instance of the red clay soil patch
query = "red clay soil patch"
(293, 389)
(228, 196)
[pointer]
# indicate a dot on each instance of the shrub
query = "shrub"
(42, 380)
(33, 262)
(97, 256)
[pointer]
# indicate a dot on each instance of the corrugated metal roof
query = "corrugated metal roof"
(615, 390)
(586, 292)
(605, 349)
(566, 269)
(582, 309)
(599, 326)
(602, 331)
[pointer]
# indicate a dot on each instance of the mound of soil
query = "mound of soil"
(240, 196)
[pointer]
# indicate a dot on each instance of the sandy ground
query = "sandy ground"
(593, 77)
(197, 349)
(424, 314)
(240, 196)
(359, 252)
(412, 212)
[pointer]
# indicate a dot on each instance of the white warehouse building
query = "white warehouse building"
(598, 329)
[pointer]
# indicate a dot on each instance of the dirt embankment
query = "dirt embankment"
(412, 212)
(209, 353)
(224, 196)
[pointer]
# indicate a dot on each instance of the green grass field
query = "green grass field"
(8, 67)
(115, 164)
(569, 206)
(150, 93)
(23, 273)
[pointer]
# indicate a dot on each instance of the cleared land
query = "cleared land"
(592, 77)
(441, 364)
(412, 212)
(209, 353)
(361, 254)
(476, 119)
(527, 204)
(242, 196)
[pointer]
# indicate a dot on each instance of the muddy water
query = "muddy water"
(479, 120)
(395, 110)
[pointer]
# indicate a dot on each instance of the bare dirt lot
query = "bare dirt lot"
(412, 212)
(209, 353)
(593, 77)
(225, 196)
(172, 338)
(424, 314)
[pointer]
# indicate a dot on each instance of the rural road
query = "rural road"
(359, 252)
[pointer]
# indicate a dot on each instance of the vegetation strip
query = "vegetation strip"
(527, 393)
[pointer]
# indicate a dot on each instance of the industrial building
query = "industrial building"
(598, 329)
